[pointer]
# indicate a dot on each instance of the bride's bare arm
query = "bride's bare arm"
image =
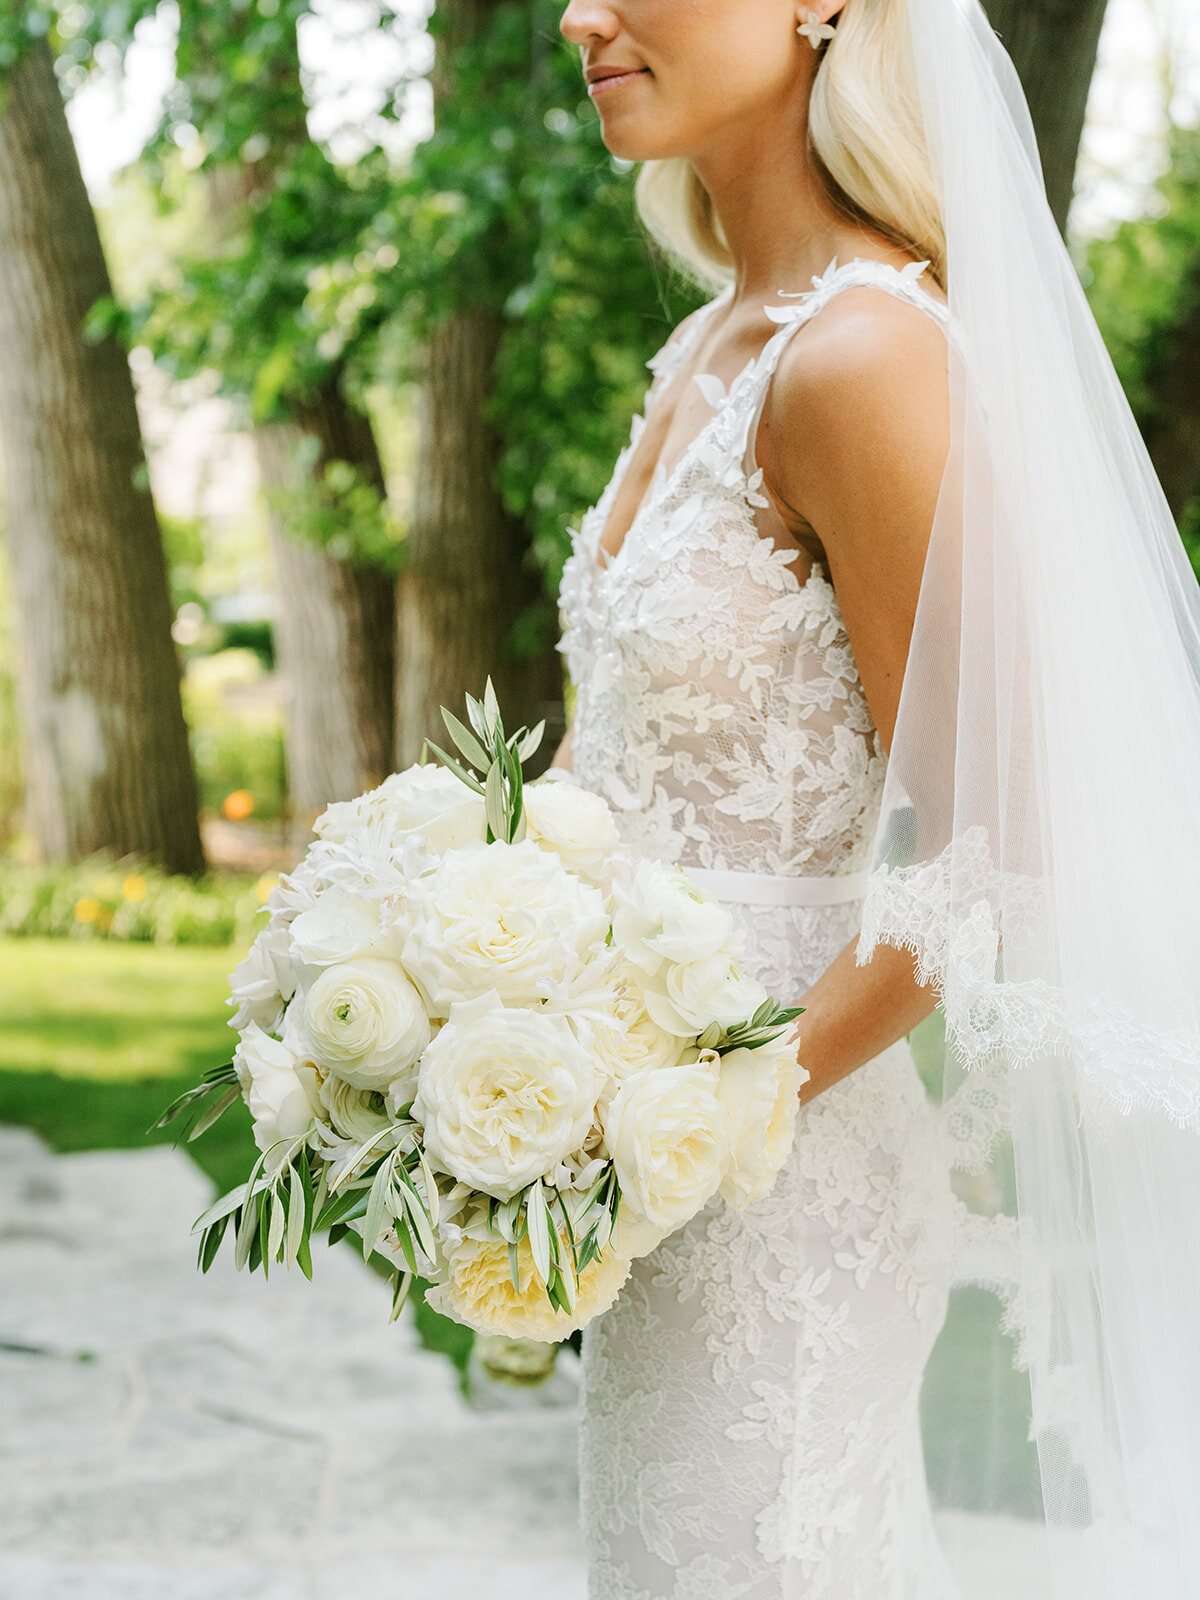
(854, 440)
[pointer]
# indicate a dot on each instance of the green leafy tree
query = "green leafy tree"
(1144, 287)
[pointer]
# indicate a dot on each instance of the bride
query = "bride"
(879, 580)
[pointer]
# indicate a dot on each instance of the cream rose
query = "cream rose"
(499, 917)
(427, 800)
(660, 916)
(282, 1100)
(366, 1022)
(685, 996)
(478, 1291)
(665, 1132)
(504, 1095)
(574, 823)
(758, 1090)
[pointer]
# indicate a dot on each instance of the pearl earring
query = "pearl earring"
(814, 30)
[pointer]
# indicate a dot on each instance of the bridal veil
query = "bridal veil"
(1039, 852)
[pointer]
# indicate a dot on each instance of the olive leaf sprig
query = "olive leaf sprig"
(494, 763)
(767, 1023)
(529, 1214)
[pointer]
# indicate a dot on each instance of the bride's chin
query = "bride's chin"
(627, 144)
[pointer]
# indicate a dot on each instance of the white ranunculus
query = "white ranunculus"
(660, 916)
(684, 997)
(281, 1099)
(366, 1022)
(759, 1090)
(263, 980)
(478, 1291)
(356, 1114)
(499, 916)
(427, 800)
(574, 823)
(665, 1132)
(337, 927)
(504, 1095)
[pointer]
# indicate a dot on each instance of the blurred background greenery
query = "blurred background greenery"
(358, 351)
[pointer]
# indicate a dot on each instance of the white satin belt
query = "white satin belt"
(765, 889)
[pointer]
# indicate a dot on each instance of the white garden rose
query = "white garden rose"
(478, 1291)
(426, 800)
(504, 1095)
(366, 1022)
(263, 980)
(684, 997)
(503, 917)
(660, 916)
(634, 1042)
(282, 1099)
(665, 1132)
(576, 824)
(759, 1091)
(634, 1236)
(338, 926)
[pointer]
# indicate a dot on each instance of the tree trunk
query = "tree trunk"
(99, 678)
(335, 627)
(467, 573)
(464, 583)
(1053, 47)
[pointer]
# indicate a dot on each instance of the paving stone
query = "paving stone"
(230, 1438)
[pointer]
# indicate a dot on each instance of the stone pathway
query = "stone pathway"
(165, 1436)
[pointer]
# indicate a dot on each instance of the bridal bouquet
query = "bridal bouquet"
(508, 1054)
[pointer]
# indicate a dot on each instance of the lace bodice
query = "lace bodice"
(718, 705)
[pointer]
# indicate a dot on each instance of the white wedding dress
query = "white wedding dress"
(750, 1402)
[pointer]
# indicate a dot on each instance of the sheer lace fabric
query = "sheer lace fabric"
(750, 1402)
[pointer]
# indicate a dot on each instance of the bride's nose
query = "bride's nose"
(586, 20)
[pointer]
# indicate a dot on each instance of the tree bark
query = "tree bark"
(464, 580)
(467, 572)
(335, 627)
(1053, 46)
(99, 677)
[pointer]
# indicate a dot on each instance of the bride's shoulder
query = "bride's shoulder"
(869, 366)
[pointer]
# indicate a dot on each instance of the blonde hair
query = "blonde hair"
(867, 144)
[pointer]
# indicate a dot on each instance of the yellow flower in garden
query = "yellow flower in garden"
(134, 887)
(265, 884)
(87, 909)
(238, 805)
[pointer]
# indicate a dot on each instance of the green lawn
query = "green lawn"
(99, 1037)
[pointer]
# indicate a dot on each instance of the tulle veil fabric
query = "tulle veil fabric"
(1039, 851)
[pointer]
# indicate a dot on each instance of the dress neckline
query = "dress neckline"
(662, 480)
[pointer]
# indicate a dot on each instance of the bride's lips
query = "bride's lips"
(602, 85)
